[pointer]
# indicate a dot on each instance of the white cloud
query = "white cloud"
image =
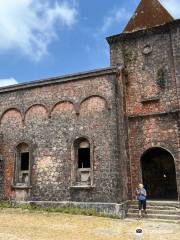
(173, 6)
(113, 17)
(7, 82)
(31, 25)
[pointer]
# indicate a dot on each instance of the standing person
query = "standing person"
(141, 196)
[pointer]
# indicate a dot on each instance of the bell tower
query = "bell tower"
(148, 51)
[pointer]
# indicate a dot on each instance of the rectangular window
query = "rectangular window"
(24, 167)
(84, 158)
(24, 161)
(1, 163)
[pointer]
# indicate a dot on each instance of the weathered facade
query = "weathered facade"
(89, 137)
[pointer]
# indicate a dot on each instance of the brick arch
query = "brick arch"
(21, 141)
(36, 112)
(62, 107)
(12, 117)
(93, 104)
(162, 147)
(75, 139)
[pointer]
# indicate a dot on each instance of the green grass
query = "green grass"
(65, 210)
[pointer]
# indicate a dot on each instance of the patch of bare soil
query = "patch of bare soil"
(25, 225)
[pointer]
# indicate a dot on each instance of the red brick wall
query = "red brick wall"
(8, 170)
(144, 97)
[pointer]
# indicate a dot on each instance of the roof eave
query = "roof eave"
(60, 79)
(139, 32)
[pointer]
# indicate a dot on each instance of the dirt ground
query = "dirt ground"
(24, 225)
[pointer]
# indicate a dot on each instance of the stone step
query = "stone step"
(155, 216)
(162, 210)
(149, 207)
(158, 203)
(156, 211)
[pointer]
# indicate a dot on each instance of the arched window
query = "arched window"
(82, 163)
(22, 168)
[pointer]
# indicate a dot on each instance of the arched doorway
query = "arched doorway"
(159, 175)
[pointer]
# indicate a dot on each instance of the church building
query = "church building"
(91, 137)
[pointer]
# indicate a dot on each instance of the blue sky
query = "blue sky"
(44, 38)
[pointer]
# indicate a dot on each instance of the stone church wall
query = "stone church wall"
(49, 119)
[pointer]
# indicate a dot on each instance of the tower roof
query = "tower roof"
(149, 13)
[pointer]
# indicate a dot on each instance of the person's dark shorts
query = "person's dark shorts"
(142, 204)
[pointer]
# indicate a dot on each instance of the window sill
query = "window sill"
(22, 186)
(150, 99)
(82, 187)
(84, 169)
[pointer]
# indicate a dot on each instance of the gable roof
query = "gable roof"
(149, 13)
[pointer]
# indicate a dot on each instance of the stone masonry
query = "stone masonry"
(50, 117)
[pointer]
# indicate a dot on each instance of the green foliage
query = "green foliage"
(129, 57)
(5, 204)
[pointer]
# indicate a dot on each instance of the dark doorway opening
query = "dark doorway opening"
(159, 175)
